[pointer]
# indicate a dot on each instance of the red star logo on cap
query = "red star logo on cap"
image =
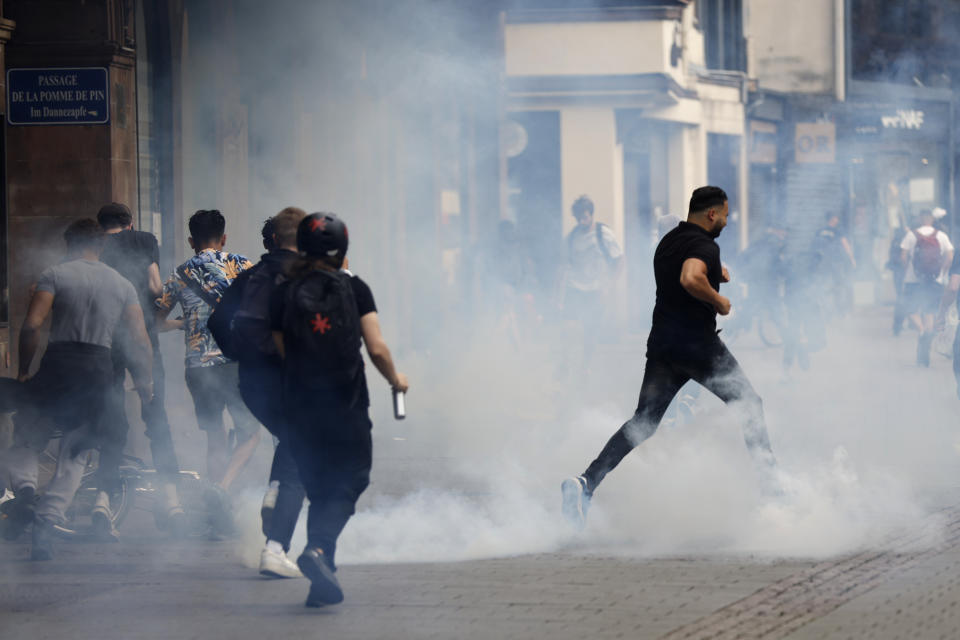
(321, 324)
(318, 223)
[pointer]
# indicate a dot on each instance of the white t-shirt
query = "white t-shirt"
(588, 268)
(909, 245)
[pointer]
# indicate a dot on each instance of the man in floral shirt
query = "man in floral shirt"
(197, 286)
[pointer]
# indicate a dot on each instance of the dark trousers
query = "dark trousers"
(154, 416)
(261, 387)
(334, 452)
(710, 364)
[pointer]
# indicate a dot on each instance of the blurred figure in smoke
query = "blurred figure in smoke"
(836, 264)
(197, 286)
(763, 269)
(135, 255)
(87, 301)
(926, 253)
(244, 312)
(899, 270)
(319, 317)
(949, 297)
(594, 261)
(804, 330)
(683, 345)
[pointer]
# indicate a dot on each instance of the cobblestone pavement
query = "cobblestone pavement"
(148, 586)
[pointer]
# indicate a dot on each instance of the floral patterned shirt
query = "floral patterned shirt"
(213, 271)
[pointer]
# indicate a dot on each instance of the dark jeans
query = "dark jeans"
(334, 452)
(261, 387)
(712, 365)
(154, 416)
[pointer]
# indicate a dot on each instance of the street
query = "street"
(460, 536)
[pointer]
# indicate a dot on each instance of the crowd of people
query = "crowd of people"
(276, 343)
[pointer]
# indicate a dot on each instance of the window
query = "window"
(721, 22)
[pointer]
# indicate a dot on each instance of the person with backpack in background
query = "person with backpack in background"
(319, 318)
(594, 261)
(241, 326)
(926, 253)
(212, 378)
(136, 256)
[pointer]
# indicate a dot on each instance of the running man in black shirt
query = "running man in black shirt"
(136, 256)
(683, 345)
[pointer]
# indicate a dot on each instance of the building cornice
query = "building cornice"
(661, 11)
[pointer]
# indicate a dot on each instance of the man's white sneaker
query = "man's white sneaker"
(277, 565)
(576, 501)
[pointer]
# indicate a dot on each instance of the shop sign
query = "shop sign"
(815, 142)
(763, 142)
(58, 96)
(903, 119)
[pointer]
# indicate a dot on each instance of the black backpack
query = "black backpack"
(220, 322)
(250, 333)
(321, 331)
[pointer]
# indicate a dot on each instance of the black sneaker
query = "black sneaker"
(17, 514)
(42, 547)
(576, 501)
(324, 587)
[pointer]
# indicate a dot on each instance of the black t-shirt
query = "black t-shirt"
(357, 396)
(131, 253)
(677, 316)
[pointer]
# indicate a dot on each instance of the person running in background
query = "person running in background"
(212, 379)
(319, 318)
(136, 255)
(86, 301)
(683, 345)
(594, 261)
(926, 253)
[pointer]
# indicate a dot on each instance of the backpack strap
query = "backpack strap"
(201, 293)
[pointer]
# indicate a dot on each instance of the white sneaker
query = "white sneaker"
(277, 565)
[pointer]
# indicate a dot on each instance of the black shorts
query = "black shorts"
(214, 389)
(923, 297)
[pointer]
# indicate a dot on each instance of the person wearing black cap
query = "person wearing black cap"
(319, 318)
(683, 345)
(136, 256)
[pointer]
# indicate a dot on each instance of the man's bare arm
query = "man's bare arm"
(379, 352)
(40, 305)
(693, 278)
(154, 283)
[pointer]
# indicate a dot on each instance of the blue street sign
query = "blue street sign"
(58, 96)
